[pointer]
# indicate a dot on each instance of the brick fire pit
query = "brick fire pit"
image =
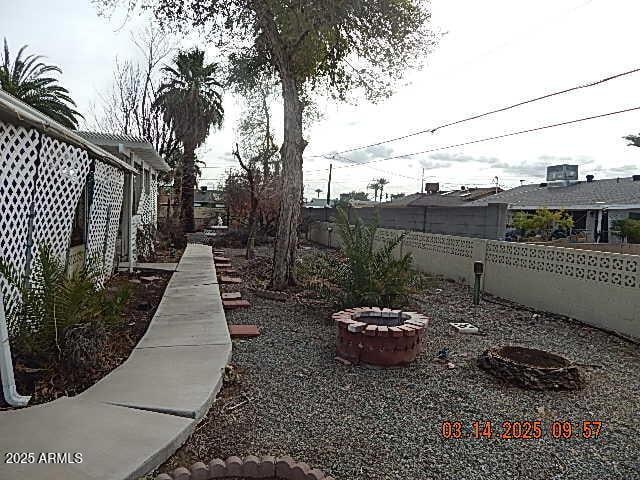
(379, 336)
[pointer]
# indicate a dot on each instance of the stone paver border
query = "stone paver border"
(267, 467)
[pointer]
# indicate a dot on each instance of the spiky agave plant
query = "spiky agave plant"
(374, 276)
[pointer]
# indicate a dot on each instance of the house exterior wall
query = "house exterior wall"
(598, 288)
(146, 213)
(41, 179)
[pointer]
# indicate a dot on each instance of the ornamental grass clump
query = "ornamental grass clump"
(373, 274)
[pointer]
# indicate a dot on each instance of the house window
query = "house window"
(634, 216)
(78, 231)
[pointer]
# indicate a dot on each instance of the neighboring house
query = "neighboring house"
(56, 189)
(140, 200)
(593, 204)
(207, 206)
(319, 203)
(437, 198)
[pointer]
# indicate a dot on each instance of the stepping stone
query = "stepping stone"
(223, 265)
(233, 304)
(221, 259)
(231, 296)
(228, 271)
(226, 279)
(218, 252)
(150, 279)
(243, 331)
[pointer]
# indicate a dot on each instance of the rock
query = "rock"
(344, 361)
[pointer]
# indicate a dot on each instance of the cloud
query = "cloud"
(366, 154)
(623, 170)
(460, 158)
(430, 164)
(525, 169)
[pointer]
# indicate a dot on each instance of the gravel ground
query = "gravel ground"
(293, 398)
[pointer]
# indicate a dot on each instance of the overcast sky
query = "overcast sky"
(494, 53)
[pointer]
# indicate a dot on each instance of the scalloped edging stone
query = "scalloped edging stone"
(266, 467)
(397, 343)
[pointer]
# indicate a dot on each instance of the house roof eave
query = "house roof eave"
(142, 148)
(28, 115)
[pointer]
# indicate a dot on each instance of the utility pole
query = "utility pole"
(422, 183)
(329, 186)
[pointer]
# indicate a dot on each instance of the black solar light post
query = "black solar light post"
(478, 269)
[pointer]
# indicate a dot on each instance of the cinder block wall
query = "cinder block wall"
(478, 222)
(598, 288)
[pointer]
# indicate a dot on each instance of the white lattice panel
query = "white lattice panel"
(447, 244)
(104, 216)
(613, 269)
(145, 208)
(62, 175)
(117, 192)
(154, 200)
(135, 224)
(18, 160)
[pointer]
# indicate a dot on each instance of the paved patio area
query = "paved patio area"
(134, 418)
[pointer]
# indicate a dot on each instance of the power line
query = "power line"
(491, 112)
(486, 139)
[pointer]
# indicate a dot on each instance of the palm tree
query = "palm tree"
(318, 191)
(27, 79)
(375, 186)
(190, 99)
(381, 183)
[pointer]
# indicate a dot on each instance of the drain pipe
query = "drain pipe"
(11, 395)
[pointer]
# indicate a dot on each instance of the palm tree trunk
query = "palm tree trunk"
(289, 218)
(188, 184)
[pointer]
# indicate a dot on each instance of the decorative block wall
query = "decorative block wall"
(599, 288)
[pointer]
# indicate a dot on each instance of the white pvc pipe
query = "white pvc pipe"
(11, 395)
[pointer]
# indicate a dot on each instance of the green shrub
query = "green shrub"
(51, 302)
(372, 277)
(543, 222)
(321, 274)
(628, 228)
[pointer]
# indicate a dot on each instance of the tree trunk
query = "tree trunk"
(287, 235)
(188, 184)
(253, 216)
(253, 226)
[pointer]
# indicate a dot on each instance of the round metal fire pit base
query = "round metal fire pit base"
(379, 336)
(531, 368)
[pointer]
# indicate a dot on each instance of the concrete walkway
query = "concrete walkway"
(139, 414)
